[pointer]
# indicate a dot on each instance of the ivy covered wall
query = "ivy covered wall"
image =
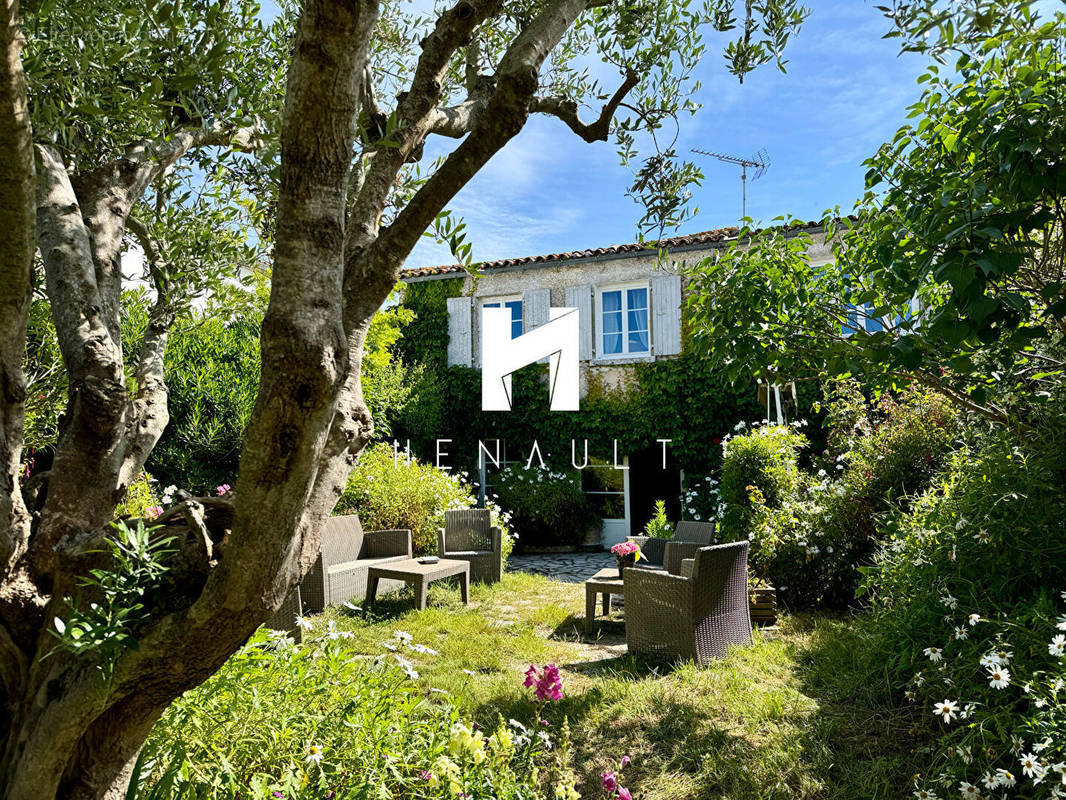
(682, 399)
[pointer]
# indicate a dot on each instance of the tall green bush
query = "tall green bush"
(389, 491)
(765, 458)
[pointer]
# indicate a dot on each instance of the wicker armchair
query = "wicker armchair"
(691, 618)
(469, 535)
(668, 553)
(339, 572)
(688, 538)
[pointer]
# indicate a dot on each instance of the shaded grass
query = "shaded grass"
(801, 714)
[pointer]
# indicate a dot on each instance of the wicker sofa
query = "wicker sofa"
(669, 553)
(284, 618)
(469, 535)
(697, 617)
(339, 572)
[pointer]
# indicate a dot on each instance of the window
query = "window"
(513, 303)
(604, 486)
(623, 317)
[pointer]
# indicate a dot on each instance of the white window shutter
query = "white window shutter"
(536, 311)
(666, 314)
(580, 297)
(460, 333)
(536, 308)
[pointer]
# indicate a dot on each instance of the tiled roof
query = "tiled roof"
(690, 240)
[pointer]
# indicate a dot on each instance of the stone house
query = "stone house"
(630, 311)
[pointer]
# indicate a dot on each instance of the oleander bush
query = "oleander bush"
(389, 490)
(548, 508)
(969, 600)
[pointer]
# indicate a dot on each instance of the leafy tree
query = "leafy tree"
(951, 273)
(134, 118)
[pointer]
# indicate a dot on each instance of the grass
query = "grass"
(800, 714)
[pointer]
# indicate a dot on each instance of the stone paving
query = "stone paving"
(566, 567)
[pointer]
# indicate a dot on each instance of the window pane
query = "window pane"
(638, 342)
(612, 322)
(612, 343)
(516, 317)
(638, 298)
(490, 305)
(638, 320)
(612, 301)
(516, 328)
(608, 506)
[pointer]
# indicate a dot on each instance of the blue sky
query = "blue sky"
(845, 92)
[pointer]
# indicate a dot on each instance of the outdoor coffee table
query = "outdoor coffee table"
(605, 582)
(418, 576)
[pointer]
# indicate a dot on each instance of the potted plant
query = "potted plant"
(626, 554)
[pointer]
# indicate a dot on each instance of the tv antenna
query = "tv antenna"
(759, 162)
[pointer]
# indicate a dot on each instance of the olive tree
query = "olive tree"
(103, 103)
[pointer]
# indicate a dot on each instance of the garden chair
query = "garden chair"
(668, 553)
(697, 617)
(469, 535)
(339, 572)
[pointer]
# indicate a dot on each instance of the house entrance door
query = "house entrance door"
(607, 489)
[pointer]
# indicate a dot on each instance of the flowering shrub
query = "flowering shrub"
(548, 507)
(766, 458)
(391, 492)
(969, 595)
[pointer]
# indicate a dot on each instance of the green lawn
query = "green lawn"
(798, 715)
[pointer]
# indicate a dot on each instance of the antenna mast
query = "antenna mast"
(760, 162)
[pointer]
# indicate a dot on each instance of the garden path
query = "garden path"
(565, 567)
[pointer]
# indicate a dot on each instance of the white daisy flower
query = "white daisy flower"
(925, 794)
(989, 781)
(968, 790)
(304, 623)
(998, 677)
(1057, 646)
(1029, 764)
(1062, 623)
(973, 619)
(947, 709)
(949, 601)
(1005, 778)
(961, 633)
(403, 636)
(314, 754)
(934, 654)
(421, 648)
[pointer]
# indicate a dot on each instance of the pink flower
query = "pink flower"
(624, 762)
(222, 489)
(546, 683)
(425, 775)
(623, 793)
(152, 512)
(625, 548)
(609, 781)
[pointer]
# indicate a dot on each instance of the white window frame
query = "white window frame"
(501, 301)
(623, 287)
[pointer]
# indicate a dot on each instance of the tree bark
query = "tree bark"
(17, 245)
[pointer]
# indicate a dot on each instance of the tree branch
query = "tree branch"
(566, 110)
